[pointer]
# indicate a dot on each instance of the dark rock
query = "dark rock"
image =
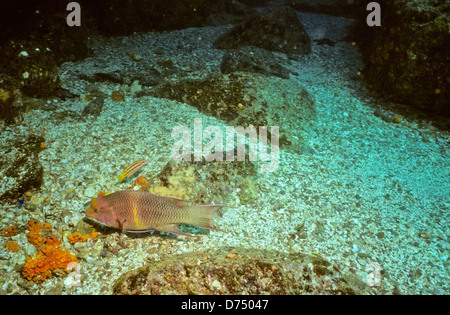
(245, 271)
(60, 116)
(94, 107)
(116, 17)
(325, 41)
(252, 59)
(243, 99)
(347, 8)
(144, 72)
(276, 29)
(10, 98)
(407, 57)
(228, 12)
(35, 39)
(64, 94)
(20, 168)
(32, 65)
(254, 3)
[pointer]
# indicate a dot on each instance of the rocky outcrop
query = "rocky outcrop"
(332, 7)
(117, 18)
(243, 99)
(238, 271)
(10, 98)
(407, 57)
(275, 29)
(20, 168)
(35, 39)
(252, 59)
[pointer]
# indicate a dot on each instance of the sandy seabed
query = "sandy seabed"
(366, 191)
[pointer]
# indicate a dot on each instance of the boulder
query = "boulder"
(35, 39)
(274, 29)
(330, 7)
(253, 59)
(10, 98)
(20, 168)
(244, 99)
(238, 271)
(407, 57)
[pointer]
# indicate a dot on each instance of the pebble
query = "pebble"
(91, 260)
(89, 192)
(356, 249)
(4, 255)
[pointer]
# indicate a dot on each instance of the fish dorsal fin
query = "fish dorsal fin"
(174, 201)
(172, 228)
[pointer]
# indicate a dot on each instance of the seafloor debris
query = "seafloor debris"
(387, 116)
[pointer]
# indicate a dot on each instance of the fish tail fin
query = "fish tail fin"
(202, 215)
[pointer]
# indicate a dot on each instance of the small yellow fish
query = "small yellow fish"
(130, 170)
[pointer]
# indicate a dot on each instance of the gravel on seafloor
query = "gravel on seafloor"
(366, 191)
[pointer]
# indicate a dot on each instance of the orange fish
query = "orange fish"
(140, 211)
(130, 170)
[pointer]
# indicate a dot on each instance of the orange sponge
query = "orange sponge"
(78, 237)
(50, 258)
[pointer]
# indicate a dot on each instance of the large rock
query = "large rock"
(407, 58)
(331, 7)
(10, 98)
(203, 182)
(275, 29)
(117, 17)
(238, 271)
(253, 59)
(34, 40)
(20, 168)
(243, 99)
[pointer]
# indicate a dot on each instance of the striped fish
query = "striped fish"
(140, 211)
(130, 170)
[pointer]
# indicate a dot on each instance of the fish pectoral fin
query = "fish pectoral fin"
(172, 228)
(121, 222)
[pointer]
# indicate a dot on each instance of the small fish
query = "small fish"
(130, 170)
(140, 211)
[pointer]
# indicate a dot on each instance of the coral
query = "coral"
(78, 237)
(9, 231)
(12, 246)
(40, 233)
(50, 258)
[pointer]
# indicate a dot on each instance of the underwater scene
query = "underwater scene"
(226, 147)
